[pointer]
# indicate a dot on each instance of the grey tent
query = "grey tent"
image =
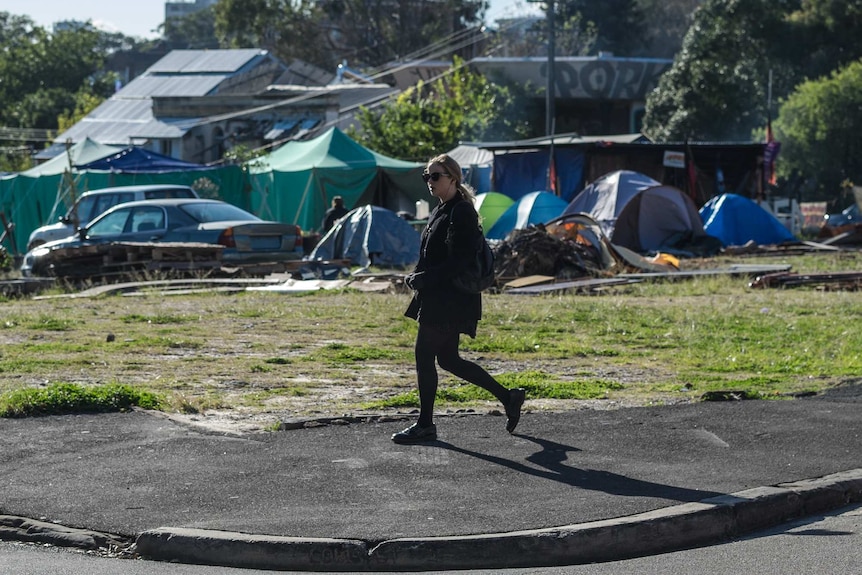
(605, 198)
(370, 235)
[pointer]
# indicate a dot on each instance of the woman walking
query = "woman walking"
(444, 312)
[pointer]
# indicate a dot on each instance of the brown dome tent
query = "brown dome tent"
(658, 219)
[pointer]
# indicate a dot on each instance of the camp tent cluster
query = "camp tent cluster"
(296, 183)
(642, 215)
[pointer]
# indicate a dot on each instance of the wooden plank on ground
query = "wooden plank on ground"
(528, 281)
(577, 285)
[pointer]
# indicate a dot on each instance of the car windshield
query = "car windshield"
(217, 212)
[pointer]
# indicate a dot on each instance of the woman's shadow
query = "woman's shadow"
(551, 464)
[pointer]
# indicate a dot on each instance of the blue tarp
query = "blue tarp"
(534, 208)
(370, 235)
(519, 173)
(135, 159)
(736, 220)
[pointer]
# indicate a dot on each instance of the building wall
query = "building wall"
(593, 95)
(180, 9)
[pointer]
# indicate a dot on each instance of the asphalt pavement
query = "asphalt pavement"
(566, 488)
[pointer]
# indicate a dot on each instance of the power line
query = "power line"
(26, 134)
(435, 51)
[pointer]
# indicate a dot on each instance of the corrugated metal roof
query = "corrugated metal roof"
(117, 133)
(166, 85)
(163, 129)
(128, 114)
(205, 61)
(115, 108)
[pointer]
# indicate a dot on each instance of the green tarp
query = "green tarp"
(296, 183)
(39, 196)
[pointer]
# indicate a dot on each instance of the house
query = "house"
(195, 105)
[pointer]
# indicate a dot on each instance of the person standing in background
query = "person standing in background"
(333, 214)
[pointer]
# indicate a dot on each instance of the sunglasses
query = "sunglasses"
(434, 176)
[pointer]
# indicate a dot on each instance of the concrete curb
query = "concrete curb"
(660, 531)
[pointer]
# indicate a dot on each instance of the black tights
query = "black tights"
(434, 343)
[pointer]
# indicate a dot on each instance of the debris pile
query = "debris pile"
(533, 251)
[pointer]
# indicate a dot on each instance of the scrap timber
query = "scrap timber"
(837, 280)
(119, 258)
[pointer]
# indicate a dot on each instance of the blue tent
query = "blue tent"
(736, 220)
(534, 208)
(134, 159)
(370, 235)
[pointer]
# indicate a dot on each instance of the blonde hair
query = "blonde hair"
(452, 168)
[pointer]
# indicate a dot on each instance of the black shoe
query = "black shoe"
(416, 434)
(513, 410)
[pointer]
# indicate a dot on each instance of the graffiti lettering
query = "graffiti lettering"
(595, 78)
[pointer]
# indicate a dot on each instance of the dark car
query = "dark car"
(246, 238)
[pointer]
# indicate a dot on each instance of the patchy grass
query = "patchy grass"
(334, 352)
(64, 398)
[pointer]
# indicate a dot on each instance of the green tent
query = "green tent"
(296, 182)
(492, 205)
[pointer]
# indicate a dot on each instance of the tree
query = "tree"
(366, 33)
(717, 87)
(433, 118)
(195, 31)
(571, 38)
(370, 33)
(665, 23)
(289, 29)
(826, 36)
(618, 24)
(818, 127)
(41, 74)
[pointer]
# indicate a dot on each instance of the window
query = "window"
(110, 225)
(148, 219)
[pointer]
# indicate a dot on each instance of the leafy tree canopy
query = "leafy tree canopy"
(819, 142)
(326, 32)
(44, 76)
(195, 31)
(433, 118)
(717, 87)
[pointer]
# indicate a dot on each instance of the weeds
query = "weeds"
(64, 398)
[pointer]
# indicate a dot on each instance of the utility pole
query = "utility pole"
(552, 88)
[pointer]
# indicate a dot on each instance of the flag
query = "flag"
(552, 176)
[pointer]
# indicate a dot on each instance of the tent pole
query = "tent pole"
(304, 195)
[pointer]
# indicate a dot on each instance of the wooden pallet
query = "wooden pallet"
(128, 257)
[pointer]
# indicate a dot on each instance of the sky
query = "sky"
(141, 17)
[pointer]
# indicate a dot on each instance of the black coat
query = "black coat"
(437, 301)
